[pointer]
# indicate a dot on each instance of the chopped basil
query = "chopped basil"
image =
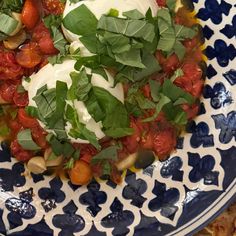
(8, 24)
(24, 138)
(52, 20)
(107, 154)
(4, 130)
(7, 6)
(134, 15)
(58, 40)
(179, 72)
(81, 21)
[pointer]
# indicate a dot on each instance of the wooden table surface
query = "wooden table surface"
(224, 225)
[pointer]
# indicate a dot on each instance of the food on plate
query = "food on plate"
(91, 88)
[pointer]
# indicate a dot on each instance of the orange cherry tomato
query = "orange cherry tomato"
(29, 55)
(81, 173)
(30, 14)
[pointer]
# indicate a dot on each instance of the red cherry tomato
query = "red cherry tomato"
(55, 7)
(29, 55)
(39, 136)
(21, 99)
(30, 14)
(7, 90)
(19, 153)
(15, 127)
(25, 119)
(161, 3)
(87, 151)
(164, 142)
(9, 69)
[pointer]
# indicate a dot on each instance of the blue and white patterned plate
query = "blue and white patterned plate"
(177, 197)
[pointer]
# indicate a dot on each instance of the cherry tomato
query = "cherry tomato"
(9, 69)
(161, 3)
(26, 120)
(29, 55)
(19, 153)
(7, 90)
(164, 142)
(43, 37)
(191, 110)
(21, 99)
(15, 127)
(146, 91)
(39, 136)
(55, 7)
(87, 151)
(131, 142)
(30, 14)
(81, 173)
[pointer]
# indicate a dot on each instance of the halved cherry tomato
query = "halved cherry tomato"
(43, 37)
(21, 99)
(29, 55)
(26, 120)
(30, 14)
(9, 69)
(55, 7)
(87, 151)
(81, 173)
(19, 153)
(7, 90)
(39, 136)
(15, 127)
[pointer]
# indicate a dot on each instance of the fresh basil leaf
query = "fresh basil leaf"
(8, 24)
(92, 62)
(100, 71)
(32, 111)
(180, 101)
(173, 92)
(107, 154)
(3, 36)
(127, 27)
(131, 58)
(24, 138)
(81, 21)
(179, 50)
(162, 102)
(52, 20)
(171, 4)
(80, 86)
(59, 41)
(179, 72)
(20, 89)
(7, 6)
(119, 132)
(155, 88)
(183, 32)
(90, 42)
(134, 14)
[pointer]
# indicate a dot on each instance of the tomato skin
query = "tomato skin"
(146, 91)
(21, 99)
(19, 153)
(169, 64)
(191, 81)
(39, 136)
(161, 3)
(54, 7)
(9, 69)
(191, 110)
(30, 14)
(164, 142)
(15, 127)
(25, 119)
(87, 151)
(29, 55)
(43, 37)
(7, 90)
(81, 173)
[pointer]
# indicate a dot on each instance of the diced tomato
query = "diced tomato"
(43, 37)
(39, 136)
(191, 80)
(29, 55)
(146, 91)
(9, 69)
(26, 120)
(87, 151)
(7, 90)
(30, 14)
(147, 141)
(161, 3)
(191, 110)
(131, 142)
(19, 153)
(190, 44)
(169, 64)
(164, 142)
(115, 175)
(55, 7)
(15, 127)
(21, 99)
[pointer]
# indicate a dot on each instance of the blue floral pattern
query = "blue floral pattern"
(162, 199)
